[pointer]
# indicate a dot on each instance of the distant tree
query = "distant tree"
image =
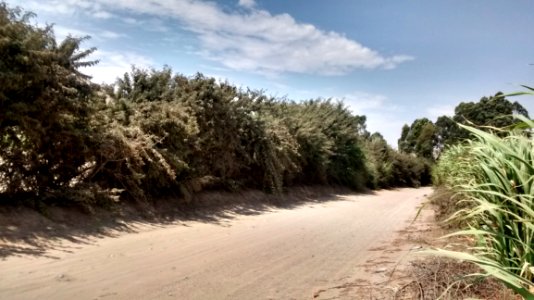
(494, 111)
(419, 138)
(388, 168)
(425, 141)
(445, 132)
(402, 142)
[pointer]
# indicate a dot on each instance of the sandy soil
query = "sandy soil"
(312, 251)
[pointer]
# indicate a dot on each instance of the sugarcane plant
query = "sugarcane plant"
(493, 174)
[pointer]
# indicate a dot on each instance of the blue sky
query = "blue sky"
(391, 60)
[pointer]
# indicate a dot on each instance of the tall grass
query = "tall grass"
(495, 178)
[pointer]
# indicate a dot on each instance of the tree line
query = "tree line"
(153, 133)
(427, 139)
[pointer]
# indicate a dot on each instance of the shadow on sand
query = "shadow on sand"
(26, 232)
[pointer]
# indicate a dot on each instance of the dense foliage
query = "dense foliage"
(389, 168)
(155, 134)
(419, 138)
(428, 140)
(493, 177)
(44, 114)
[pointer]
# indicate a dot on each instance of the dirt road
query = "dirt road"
(282, 254)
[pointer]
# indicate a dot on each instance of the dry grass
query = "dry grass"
(446, 202)
(445, 278)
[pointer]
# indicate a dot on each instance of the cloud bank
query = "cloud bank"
(250, 39)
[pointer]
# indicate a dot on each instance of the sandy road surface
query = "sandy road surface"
(283, 254)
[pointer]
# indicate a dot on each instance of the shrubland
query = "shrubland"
(154, 133)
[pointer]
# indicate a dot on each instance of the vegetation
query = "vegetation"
(493, 175)
(44, 113)
(419, 138)
(490, 112)
(153, 133)
(428, 140)
(389, 168)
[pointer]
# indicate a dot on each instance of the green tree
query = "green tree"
(428, 140)
(390, 168)
(445, 132)
(424, 146)
(494, 111)
(43, 105)
(403, 143)
(419, 138)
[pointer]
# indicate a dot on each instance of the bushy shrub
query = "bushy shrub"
(329, 141)
(390, 168)
(153, 133)
(44, 111)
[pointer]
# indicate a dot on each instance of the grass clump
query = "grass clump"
(494, 178)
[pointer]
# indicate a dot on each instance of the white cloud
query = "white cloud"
(155, 25)
(261, 42)
(247, 3)
(66, 7)
(52, 7)
(114, 64)
(360, 102)
(434, 112)
(110, 34)
(254, 39)
(102, 14)
(131, 21)
(62, 32)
